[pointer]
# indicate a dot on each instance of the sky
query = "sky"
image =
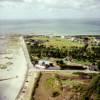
(49, 9)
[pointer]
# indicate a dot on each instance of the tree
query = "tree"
(94, 87)
(86, 43)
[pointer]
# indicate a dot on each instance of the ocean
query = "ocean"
(51, 26)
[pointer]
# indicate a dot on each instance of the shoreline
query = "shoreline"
(49, 34)
(15, 71)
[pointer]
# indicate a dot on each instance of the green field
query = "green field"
(73, 86)
(57, 48)
(58, 42)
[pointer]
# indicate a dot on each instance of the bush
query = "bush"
(60, 62)
(98, 64)
(55, 94)
(94, 87)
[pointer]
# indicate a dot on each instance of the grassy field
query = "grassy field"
(58, 42)
(82, 62)
(58, 86)
(74, 51)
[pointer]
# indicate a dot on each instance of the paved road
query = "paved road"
(13, 67)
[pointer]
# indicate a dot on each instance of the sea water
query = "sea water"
(51, 26)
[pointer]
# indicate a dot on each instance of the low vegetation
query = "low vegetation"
(69, 86)
(93, 90)
(78, 51)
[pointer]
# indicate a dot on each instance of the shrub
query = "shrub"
(55, 94)
(94, 87)
(98, 64)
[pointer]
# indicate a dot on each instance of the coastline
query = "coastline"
(49, 34)
(14, 69)
(30, 75)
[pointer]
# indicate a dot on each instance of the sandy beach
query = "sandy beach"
(13, 67)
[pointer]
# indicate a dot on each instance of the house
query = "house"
(44, 64)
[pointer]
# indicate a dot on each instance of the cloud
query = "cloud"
(51, 8)
(65, 4)
(12, 0)
(58, 4)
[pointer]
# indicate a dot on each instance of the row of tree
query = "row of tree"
(80, 53)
